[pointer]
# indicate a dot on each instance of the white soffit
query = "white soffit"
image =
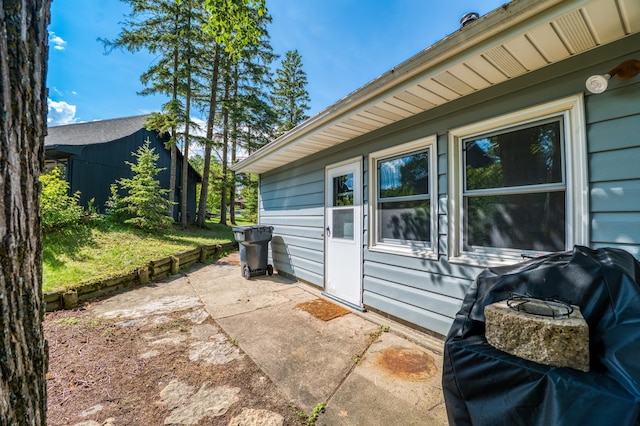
(528, 39)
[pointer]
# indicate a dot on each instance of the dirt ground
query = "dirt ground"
(175, 368)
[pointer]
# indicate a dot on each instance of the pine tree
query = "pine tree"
(211, 98)
(170, 29)
(190, 38)
(182, 33)
(290, 97)
(235, 25)
(253, 118)
(144, 205)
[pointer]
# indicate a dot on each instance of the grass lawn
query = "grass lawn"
(90, 253)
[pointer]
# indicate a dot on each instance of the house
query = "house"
(478, 151)
(93, 156)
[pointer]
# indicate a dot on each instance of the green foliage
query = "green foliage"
(114, 207)
(308, 419)
(144, 206)
(235, 23)
(164, 122)
(57, 207)
(290, 97)
(316, 412)
(215, 177)
(69, 321)
(250, 194)
(202, 49)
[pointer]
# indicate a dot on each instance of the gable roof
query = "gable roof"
(69, 139)
(517, 38)
(94, 132)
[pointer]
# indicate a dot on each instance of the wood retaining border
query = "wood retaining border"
(154, 270)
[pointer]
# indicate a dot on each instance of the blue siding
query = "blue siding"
(427, 292)
(615, 196)
(415, 315)
(613, 128)
(295, 208)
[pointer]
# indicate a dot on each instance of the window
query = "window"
(342, 219)
(52, 164)
(403, 202)
(518, 184)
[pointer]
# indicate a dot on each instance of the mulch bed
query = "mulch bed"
(96, 372)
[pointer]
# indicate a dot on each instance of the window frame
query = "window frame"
(429, 249)
(570, 111)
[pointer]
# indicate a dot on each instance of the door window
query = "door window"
(342, 221)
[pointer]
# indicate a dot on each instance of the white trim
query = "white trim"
(429, 142)
(577, 152)
(503, 25)
(357, 159)
(576, 176)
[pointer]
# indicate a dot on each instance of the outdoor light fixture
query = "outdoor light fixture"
(624, 71)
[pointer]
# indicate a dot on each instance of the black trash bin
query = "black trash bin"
(254, 249)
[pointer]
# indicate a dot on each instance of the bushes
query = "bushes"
(57, 207)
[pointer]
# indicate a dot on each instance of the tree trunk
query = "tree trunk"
(184, 215)
(204, 189)
(225, 152)
(174, 130)
(23, 112)
(172, 176)
(234, 145)
(184, 181)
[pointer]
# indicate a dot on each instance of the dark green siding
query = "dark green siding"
(98, 166)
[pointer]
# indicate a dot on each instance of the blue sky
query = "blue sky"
(344, 44)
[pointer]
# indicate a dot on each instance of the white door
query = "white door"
(343, 232)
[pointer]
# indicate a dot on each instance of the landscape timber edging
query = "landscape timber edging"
(154, 270)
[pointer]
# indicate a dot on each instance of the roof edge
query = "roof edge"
(496, 22)
(129, 117)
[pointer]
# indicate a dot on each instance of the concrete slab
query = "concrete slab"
(306, 357)
(225, 293)
(396, 382)
(310, 360)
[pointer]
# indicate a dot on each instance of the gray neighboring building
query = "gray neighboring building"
(481, 150)
(93, 155)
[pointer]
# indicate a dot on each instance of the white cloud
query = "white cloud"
(60, 113)
(202, 127)
(57, 42)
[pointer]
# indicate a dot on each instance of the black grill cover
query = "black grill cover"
(485, 386)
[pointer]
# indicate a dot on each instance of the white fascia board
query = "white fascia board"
(488, 31)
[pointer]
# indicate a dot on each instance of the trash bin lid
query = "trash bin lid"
(252, 228)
